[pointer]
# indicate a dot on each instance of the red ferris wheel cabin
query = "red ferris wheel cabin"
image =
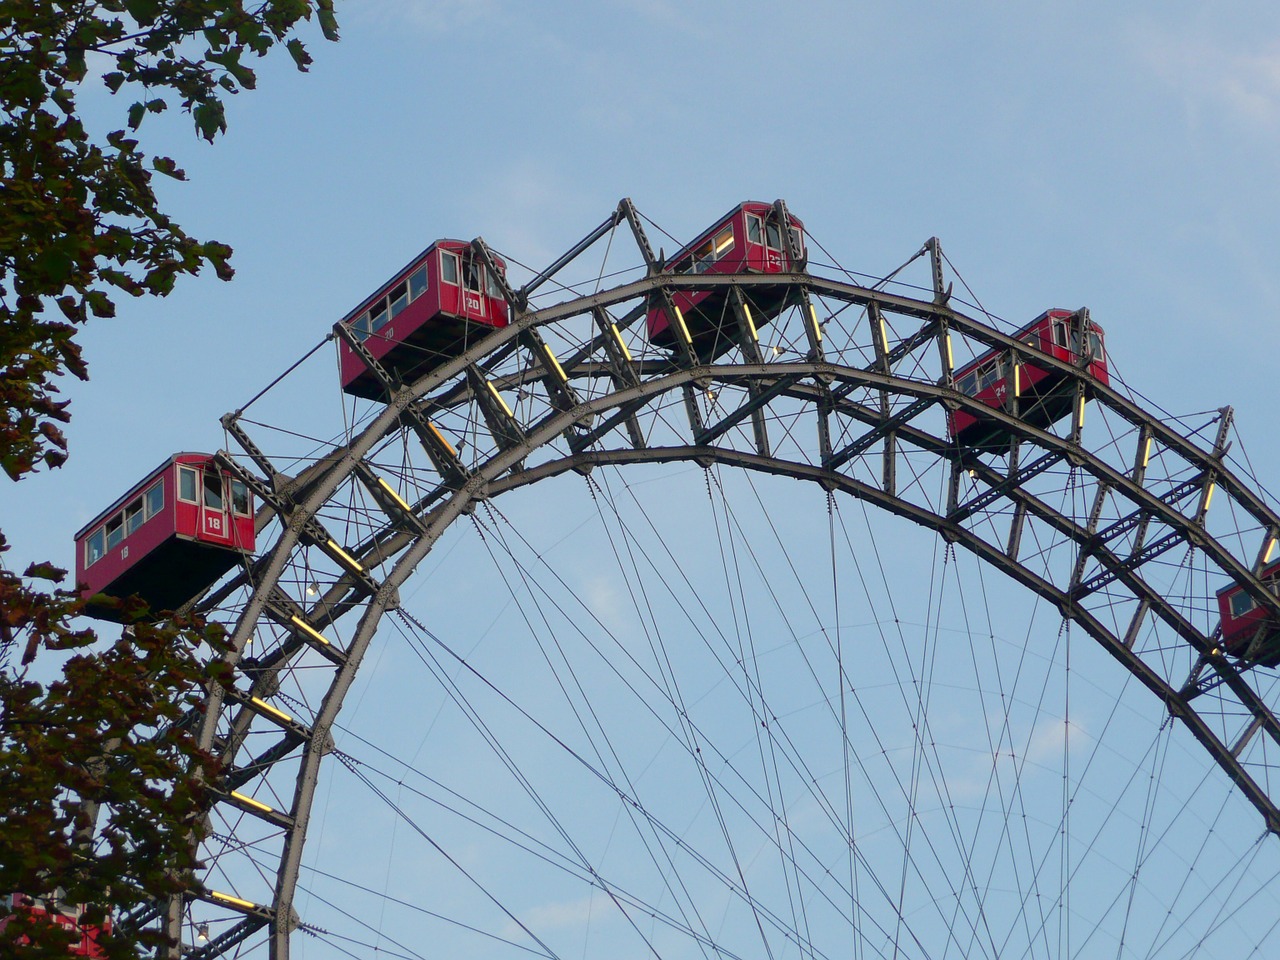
(439, 304)
(1248, 630)
(1044, 396)
(171, 536)
(750, 238)
(70, 916)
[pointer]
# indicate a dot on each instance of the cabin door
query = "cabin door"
(472, 288)
(215, 508)
(775, 249)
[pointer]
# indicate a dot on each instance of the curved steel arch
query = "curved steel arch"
(576, 430)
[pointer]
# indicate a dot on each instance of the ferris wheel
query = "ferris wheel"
(732, 604)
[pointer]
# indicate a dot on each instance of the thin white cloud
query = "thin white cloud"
(431, 16)
(1039, 749)
(1051, 737)
(566, 914)
(607, 600)
(1239, 81)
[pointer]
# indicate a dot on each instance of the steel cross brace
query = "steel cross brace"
(1017, 479)
(622, 368)
(864, 442)
(758, 398)
(238, 776)
(1136, 559)
(905, 347)
(442, 455)
(309, 528)
(251, 924)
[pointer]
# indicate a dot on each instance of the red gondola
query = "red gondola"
(1044, 396)
(69, 915)
(172, 535)
(1248, 630)
(430, 311)
(748, 239)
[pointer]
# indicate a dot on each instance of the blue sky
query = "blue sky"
(1120, 157)
(1085, 154)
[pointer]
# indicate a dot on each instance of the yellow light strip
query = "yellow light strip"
(250, 802)
(1208, 494)
(1146, 453)
(309, 630)
(884, 335)
(497, 396)
(268, 708)
(233, 901)
(1080, 413)
(346, 557)
(394, 496)
(440, 436)
(751, 323)
(946, 343)
(1271, 548)
(817, 327)
(622, 345)
(683, 327)
(555, 364)
(1017, 379)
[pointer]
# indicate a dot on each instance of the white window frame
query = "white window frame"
(149, 509)
(448, 256)
(89, 558)
(194, 473)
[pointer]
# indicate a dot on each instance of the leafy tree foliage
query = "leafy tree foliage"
(101, 786)
(79, 218)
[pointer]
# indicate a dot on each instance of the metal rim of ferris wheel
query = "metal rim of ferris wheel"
(864, 401)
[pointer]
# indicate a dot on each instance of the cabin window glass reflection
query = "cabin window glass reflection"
(797, 241)
(448, 267)
(115, 531)
(187, 485)
(155, 500)
(378, 316)
(1241, 604)
(724, 242)
(702, 257)
(418, 282)
(361, 326)
(753, 228)
(773, 239)
(399, 299)
(133, 517)
(93, 548)
(240, 497)
(213, 491)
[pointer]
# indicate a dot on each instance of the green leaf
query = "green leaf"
(170, 169)
(328, 22)
(136, 113)
(100, 304)
(210, 119)
(299, 53)
(55, 265)
(65, 100)
(45, 571)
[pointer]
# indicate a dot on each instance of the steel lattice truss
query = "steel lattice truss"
(848, 388)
